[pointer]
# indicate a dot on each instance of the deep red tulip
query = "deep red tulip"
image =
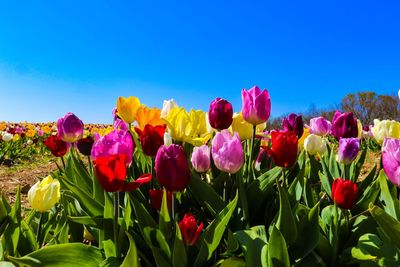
(151, 138)
(344, 125)
(85, 145)
(57, 146)
(111, 173)
(156, 198)
(220, 114)
(344, 193)
(189, 229)
(284, 148)
(294, 123)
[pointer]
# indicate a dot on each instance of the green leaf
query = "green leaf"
(179, 257)
(326, 179)
(286, 223)
(6, 264)
(159, 245)
(254, 244)
(77, 172)
(389, 225)
(277, 250)
(165, 224)
(131, 258)
(214, 232)
(143, 216)
(357, 166)
(369, 196)
(391, 205)
(72, 254)
(233, 262)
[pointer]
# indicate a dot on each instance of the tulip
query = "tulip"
(189, 229)
(227, 152)
(385, 128)
(293, 123)
(70, 128)
(85, 145)
(314, 145)
(348, 150)
(220, 114)
(6, 137)
(344, 193)
(151, 138)
(320, 126)
(391, 159)
(201, 158)
(172, 168)
(167, 139)
(256, 106)
(156, 198)
(167, 106)
(284, 148)
(114, 143)
(300, 143)
(111, 173)
(344, 125)
(243, 128)
(120, 125)
(146, 115)
(127, 108)
(57, 146)
(43, 195)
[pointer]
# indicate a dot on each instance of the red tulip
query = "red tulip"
(284, 148)
(189, 229)
(57, 146)
(151, 138)
(156, 198)
(111, 173)
(220, 114)
(344, 193)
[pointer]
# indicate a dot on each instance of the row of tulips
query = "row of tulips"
(176, 188)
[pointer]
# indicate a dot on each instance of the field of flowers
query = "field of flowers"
(173, 187)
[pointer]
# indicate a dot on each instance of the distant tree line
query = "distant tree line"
(366, 106)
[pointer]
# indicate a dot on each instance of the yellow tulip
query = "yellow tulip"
(306, 133)
(44, 194)
(385, 128)
(146, 115)
(243, 128)
(127, 108)
(360, 129)
(16, 137)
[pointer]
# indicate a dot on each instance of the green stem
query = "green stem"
(116, 226)
(63, 162)
(90, 165)
(39, 228)
(173, 207)
(284, 182)
(250, 164)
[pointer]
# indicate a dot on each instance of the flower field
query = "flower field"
(172, 187)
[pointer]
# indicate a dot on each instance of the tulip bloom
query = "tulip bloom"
(243, 128)
(43, 195)
(146, 115)
(156, 198)
(70, 128)
(385, 128)
(189, 229)
(256, 105)
(344, 193)
(127, 108)
(391, 159)
(284, 148)
(320, 126)
(111, 173)
(348, 150)
(6, 137)
(114, 143)
(167, 106)
(201, 158)
(120, 125)
(57, 146)
(85, 145)
(344, 125)
(314, 144)
(227, 152)
(172, 168)
(151, 138)
(293, 123)
(220, 114)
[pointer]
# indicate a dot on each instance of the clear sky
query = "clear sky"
(79, 56)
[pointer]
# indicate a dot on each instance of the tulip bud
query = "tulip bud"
(85, 145)
(227, 152)
(201, 158)
(391, 159)
(70, 128)
(344, 193)
(256, 107)
(293, 123)
(167, 106)
(348, 150)
(220, 114)
(314, 144)
(284, 148)
(44, 194)
(320, 126)
(127, 108)
(172, 168)
(243, 128)
(385, 128)
(344, 125)
(189, 229)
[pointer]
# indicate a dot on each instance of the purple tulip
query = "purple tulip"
(120, 125)
(256, 105)
(220, 114)
(293, 123)
(344, 125)
(227, 152)
(70, 128)
(391, 159)
(114, 143)
(348, 150)
(320, 126)
(201, 158)
(172, 168)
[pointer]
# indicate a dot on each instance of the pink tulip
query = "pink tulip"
(256, 107)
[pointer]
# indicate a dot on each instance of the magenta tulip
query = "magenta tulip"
(70, 128)
(348, 150)
(201, 158)
(294, 123)
(220, 114)
(344, 125)
(256, 105)
(391, 159)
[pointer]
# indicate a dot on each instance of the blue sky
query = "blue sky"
(79, 56)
